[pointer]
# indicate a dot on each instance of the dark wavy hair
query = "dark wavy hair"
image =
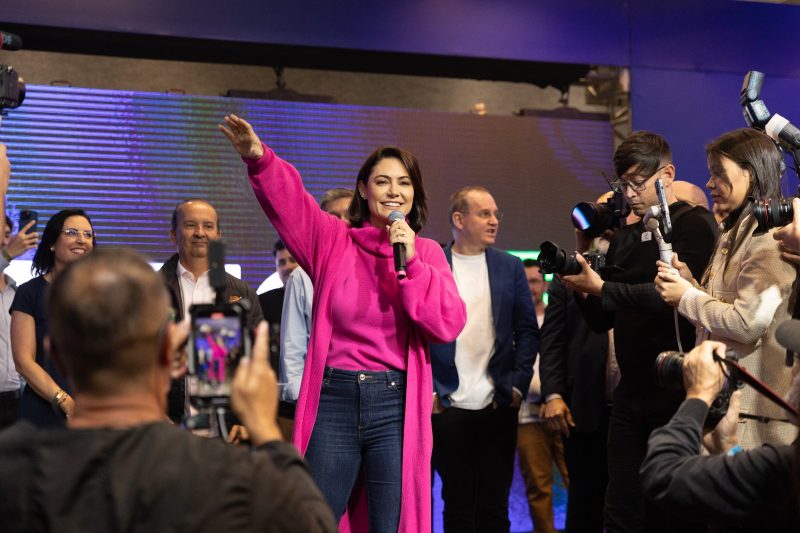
(755, 152)
(45, 259)
(359, 210)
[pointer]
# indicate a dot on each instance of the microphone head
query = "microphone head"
(396, 215)
(788, 335)
(9, 41)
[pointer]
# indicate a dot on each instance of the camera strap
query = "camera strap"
(745, 376)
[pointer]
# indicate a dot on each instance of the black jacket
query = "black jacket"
(235, 290)
(572, 359)
(752, 491)
(152, 478)
(643, 323)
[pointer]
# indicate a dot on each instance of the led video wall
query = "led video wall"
(129, 157)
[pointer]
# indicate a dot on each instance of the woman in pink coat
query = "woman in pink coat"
(365, 400)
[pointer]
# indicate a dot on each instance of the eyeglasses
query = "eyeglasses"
(72, 233)
(485, 214)
(638, 186)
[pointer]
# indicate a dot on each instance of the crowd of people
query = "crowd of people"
(460, 361)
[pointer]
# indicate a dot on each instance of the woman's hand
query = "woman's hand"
(680, 266)
(670, 285)
(22, 241)
(400, 231)
(68, 406)
(789, 235)
(241, 135)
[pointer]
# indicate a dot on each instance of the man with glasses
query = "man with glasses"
(481, 379)
(627, 301)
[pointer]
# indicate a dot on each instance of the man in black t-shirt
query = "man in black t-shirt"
(120, 465)
(644, 325)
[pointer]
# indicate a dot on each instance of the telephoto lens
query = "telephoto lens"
(772, 213)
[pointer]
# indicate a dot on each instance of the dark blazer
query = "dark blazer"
(235, 290)
(572, 358)
(516, 332)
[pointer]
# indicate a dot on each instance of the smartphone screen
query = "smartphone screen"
(218, 346)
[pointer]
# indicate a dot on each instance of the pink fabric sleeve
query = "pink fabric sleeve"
(308, 232)
(430, 297)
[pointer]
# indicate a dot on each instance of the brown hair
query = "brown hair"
(458, 200)
(359, 210)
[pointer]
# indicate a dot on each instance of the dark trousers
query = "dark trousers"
(9, 407)
(632, 421)
(473, 451)
(360, 425)
(586, 456)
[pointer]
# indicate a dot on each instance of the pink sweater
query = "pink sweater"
(432, 311)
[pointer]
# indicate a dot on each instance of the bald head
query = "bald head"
(108, 313)
(690, 193)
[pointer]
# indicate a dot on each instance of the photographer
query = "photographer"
(120, 465)
(755, 490)
(746, 290)
(643, 324)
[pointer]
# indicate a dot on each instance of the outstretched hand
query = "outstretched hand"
(241, 135)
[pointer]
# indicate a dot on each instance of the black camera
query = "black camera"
(555, 260)
(669, 375)
(595, 218)
(12, 88)
(772, 213)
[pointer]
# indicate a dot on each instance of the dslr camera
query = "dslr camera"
(12, 87)
(595, 218)
(669, 375)
(555, 260)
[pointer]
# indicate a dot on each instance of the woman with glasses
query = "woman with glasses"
(46, 400)
(366, 395)
(746, 289)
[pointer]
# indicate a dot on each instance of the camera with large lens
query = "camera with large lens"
(772, 213)
(595, 218)
(12, 88)
(669, 375)
(555, 260)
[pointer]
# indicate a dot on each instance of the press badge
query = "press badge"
(647, 236)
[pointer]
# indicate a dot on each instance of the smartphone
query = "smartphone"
(25, 216)
(218, 342)
(662, 200)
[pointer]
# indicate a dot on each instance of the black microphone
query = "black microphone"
(398, 247)
(782, 131)
(9, 41)
(216, 270)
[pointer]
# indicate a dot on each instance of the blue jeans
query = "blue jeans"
(360, 424)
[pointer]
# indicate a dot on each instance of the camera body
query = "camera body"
(555, 260)
(593, 219)
(669, 375)
(12, 88)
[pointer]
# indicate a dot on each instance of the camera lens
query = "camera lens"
(772, 213)
(554, 260)
(669, 370)
(593, 219)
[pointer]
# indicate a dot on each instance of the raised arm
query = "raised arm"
(307, 231)
(430, 297)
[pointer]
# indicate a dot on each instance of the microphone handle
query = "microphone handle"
(399, 259)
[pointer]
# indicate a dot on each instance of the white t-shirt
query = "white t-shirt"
(475, 344)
